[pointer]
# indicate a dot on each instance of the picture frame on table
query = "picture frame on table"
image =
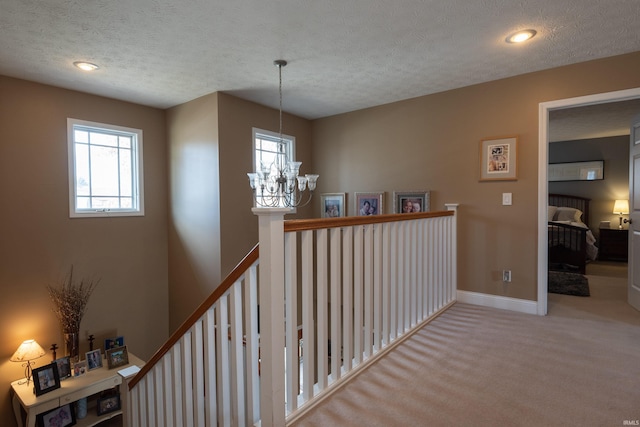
(411, 201)
(117, 357)
(333, 205)
(369, 203)
(63, 416)
(46, 379)
(79, 368)
(64, 367)
(113, 342)
(94, 359)
(108, 404)
(498, 159)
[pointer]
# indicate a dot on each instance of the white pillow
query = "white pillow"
(568, 214)
(551, 212)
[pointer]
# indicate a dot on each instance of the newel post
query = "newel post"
(454, 247)
(272, 329)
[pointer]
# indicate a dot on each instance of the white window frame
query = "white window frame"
(137, 170)
(290, 147)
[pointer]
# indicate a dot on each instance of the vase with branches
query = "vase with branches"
(70, 300)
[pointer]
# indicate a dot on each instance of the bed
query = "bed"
(571, 242)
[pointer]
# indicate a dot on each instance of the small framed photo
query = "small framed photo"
(113, 342)
(117, 357)
(64, 367)
(333, 205)
(79, 368)
(94, 359)
(369, 203)
(411, 201)
(108, 404)
(63, 416)
(46, 379)
(498, 161)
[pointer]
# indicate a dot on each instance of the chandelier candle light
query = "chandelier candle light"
(274, 185)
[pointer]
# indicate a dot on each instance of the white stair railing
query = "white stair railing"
(365, 287)
(355, 287)
(207, 374)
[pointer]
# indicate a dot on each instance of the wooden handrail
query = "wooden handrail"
(237, 272)
(349, 221)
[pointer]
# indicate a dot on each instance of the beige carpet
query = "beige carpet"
(475, 366)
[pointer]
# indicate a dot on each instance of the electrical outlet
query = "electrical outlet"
(506, 275)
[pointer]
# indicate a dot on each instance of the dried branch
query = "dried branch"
(70, 301)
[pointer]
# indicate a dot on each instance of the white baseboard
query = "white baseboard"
(496, 301)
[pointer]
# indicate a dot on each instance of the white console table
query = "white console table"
(71, 390)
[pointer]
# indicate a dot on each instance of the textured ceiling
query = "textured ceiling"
(343, 55)
(593, 121)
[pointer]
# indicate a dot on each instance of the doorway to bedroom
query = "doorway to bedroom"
(568, 137)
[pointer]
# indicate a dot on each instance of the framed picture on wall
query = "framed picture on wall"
(333, 205)
(576, 171)
(498, 159)
(369, 203)
(411, 201)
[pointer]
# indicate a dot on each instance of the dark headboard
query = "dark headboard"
(577, 202)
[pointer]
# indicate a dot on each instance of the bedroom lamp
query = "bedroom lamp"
(29, 350)
(621, 207)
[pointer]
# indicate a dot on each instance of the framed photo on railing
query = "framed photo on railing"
(333, 205)
(498, 159)
(411, 201)
(369, 203)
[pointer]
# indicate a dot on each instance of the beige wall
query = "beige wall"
(431, 143)
(194, 228)
(212, 226)
(39, 242)
(237, 118)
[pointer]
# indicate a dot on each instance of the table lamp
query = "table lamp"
(621, 207)
(29, 350)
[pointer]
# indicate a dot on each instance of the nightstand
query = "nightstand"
(614, 244)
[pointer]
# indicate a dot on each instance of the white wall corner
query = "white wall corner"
(496, 301)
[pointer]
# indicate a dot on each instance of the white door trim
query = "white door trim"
(543, 160)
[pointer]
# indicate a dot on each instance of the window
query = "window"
(269, 150)
(105, 170)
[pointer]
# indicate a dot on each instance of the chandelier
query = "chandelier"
(279, 183)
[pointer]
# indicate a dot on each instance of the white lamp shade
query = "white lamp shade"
(621, 207)
(28, 350)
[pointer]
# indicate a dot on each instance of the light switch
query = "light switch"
(506, 199)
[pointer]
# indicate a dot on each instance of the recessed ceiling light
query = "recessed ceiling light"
(520, 36)
(86, 66)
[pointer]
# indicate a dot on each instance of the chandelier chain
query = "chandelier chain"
(280, 92)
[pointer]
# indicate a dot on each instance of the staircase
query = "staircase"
(319, 301)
